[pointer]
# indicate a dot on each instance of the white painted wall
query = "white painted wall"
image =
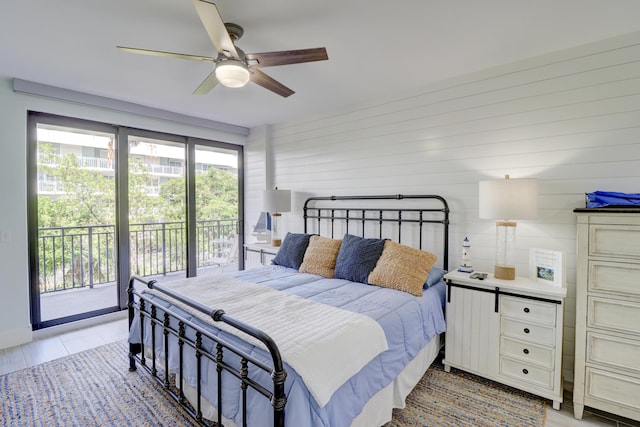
(255, 177)
(571, 119)
(15, 327)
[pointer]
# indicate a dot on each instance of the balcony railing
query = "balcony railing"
(164, 170)
(107, 164)
(84, 256)
(83, 161)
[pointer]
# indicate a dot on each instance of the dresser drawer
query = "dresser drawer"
(526, 331)
(616, 352)
(617, 389)
(608, 313)
(528, 352)
(614, 240)
(526, 372)
(616, 277)
(528, 310)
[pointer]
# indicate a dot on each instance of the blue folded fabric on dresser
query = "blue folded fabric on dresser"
(601, 199)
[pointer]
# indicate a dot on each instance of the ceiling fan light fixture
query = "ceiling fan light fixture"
(232, 73)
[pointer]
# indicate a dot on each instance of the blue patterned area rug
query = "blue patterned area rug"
(92, 388)
(95, 388)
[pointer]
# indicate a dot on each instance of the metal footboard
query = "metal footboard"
(191, 335)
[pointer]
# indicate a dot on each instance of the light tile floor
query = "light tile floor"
(54, 344)
(49, 345)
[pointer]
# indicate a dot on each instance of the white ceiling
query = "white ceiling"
(376, 48)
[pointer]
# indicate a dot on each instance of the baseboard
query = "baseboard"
(79, 324)
(16, 337)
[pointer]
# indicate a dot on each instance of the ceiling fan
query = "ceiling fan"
(233, 67)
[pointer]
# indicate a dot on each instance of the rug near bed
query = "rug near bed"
(459, 399)
(95, 388)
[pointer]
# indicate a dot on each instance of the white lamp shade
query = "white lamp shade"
(277, 200)
(232, 73)
(508, 199)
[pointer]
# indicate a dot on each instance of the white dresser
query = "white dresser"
(257, 254)
(509, 331)
(607, 355)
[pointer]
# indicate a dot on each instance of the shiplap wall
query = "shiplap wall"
(571, 119)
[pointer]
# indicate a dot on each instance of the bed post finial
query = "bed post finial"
(217, 315)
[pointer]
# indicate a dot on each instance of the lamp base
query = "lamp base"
(276, 232)
(504, 272)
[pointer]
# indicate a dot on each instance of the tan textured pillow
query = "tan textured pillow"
(403, 268)
(320, 256)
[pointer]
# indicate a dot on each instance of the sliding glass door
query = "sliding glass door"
(217, 209)
(108, 202)
(74, 212)
(157, 207)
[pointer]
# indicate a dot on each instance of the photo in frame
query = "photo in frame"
(547, 266)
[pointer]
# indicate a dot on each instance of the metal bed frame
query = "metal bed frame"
(316, 209)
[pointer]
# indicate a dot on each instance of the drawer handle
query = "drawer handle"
(525, 351)
(526, 309)
(526, 330)
(525, 371)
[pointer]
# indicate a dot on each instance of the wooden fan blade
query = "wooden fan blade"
(212, 21)
(207, 84)
(165, 54)
(270, 59)
(260, 78)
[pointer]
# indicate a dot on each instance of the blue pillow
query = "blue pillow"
(435, 275)
(357, 257)
(292, 250)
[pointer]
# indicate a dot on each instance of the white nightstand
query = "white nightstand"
(509, 331)
(257, 254)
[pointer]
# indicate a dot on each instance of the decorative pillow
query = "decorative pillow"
(292, 250)
(357, 257)
(321, 255)
(435, 275)
(402, 268)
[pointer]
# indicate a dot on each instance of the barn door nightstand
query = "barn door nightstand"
(509, 331)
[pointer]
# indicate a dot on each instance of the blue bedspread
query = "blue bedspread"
(409, 323)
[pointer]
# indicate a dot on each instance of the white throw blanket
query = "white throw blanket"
(324, 344)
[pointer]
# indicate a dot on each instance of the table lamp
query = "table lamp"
(276, 202)
(507, 200)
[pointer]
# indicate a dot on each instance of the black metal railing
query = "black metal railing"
(84, 256)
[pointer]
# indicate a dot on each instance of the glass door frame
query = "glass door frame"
(192, 240)
(122, 201)
(121, 162)
(33, 119)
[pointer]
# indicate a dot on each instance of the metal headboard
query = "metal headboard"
(333, 212)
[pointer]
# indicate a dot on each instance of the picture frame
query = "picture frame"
(547, 266)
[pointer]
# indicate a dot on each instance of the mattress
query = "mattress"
(409, 324)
